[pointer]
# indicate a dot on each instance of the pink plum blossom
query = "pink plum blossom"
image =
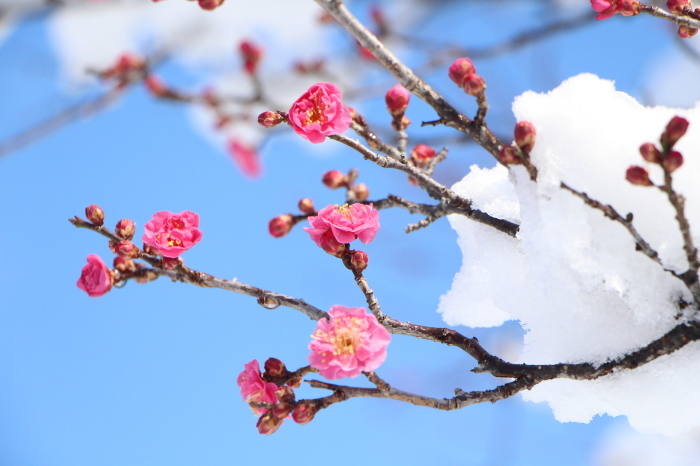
(95, 278)
(172, 234)
(245, 157)
(608, 8)
(319, 112)
(347, 344)
(346, 223)
(254, 387)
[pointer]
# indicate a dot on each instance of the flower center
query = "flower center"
(344, 209)
(315, 114)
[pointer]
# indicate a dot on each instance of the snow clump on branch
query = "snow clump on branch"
(573, 277)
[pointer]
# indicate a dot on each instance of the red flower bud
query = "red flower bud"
(252, 54)
(460, 69)
(360, 192)
(359, 261)
(94, 214)
(509, 155)
(421, 155)
(286, 395)
(672, 161)
(628, 7)
(677, 6)
(210, 4)
(334, 179)
(268, 424)
(397, 100)
(650, 153)
(171, 263)
(684, 32)
(525, 136)
(303, 413)
(124, 266)
(282, 410)
(474, 84)
(281, 225)
(127, 250)
(675, 129)
(270, 119)
(275, 368)
(638, 176)
(125, 229)
(295, 383)
(306, 205)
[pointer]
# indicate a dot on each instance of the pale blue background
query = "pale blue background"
(146, 375)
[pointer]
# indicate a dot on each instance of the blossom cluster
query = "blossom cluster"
(166, 234)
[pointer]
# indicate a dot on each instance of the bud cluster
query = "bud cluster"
(252, 54)
(524, 135)
(463, 73)
(669, 159)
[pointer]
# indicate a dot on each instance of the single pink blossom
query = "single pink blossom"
(254, 387)
(319, 112)
(245, 157)
(172, 234)
(95, 279)
(347, 223)
(609, 8)
(347, 344)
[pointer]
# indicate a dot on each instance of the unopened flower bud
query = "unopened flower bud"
(210, 4)
(412, 181)
(474, 84)
(509, 155)
(675, 129)
(282, 410)
(124, 266)
(95, 215)
(685, 32)
(334, 179)
(112, 246)
(650, 153)
(275, 368)
(127, 250)
(295, 383)
(460, 69)
(286, 395)
(270, 119)
(421, 155)
(252, 53)
(281, 225)
(638, 176)
(677, 6)
(125, 229)
(359, 261)
(672, 161)
(397, 100)
(303, 413)
(306, 205)
(360, 192)
(628, 7)
(171, 263)
(268, 424)
(525, 136)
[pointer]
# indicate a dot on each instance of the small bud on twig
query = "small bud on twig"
(280, 225)
(95, 215)
(638, 176)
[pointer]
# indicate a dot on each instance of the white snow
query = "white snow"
(573, 278)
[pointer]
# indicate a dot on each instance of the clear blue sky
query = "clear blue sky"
(146, 374)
